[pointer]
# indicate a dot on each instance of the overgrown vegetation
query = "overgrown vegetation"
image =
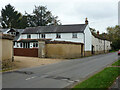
(103, 79)
(7, 65)
(114, 36)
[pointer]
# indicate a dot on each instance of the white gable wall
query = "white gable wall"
(107, 45)
(88, 39)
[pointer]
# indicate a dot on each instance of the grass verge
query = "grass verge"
(116, 63)
(103, 79)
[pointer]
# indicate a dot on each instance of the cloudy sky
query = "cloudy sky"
(100, 13)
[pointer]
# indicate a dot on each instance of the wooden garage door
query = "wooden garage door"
(26, 52)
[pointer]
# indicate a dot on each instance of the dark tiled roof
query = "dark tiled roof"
(13, 30)
(6, 36)
(63, 42)
(3, 30)
(17, 30)
(99, 37)
(20, 31)
(56, 29)
(33, 40)
(28, 40)
(48, 41)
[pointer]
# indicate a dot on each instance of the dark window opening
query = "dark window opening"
(35, 44)
(39, 35)
(58, 35)
(28, 36)
(42, 35)
(74, 35)
(21, 44)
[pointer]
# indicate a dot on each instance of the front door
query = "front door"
(92, 49)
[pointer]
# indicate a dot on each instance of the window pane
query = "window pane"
(28, 36)
(36, 44)
(43, 35)
(58, 35)
(33, 44)
(74, 35)
(20, 44)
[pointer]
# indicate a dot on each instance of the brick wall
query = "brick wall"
(26, 52)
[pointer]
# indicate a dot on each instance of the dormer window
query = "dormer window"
(74, 35)
(28, 36)
(58, 35)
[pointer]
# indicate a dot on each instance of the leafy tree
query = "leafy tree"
(114, 36)
(41, 17)
(23, 22)
(12, 18)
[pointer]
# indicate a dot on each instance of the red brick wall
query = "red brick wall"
(26, 52)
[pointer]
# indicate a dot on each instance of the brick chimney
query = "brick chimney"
(86, 21)
(97, 32)
(55, 22)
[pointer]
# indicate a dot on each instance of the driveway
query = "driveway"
(58, 75)
(26, 62)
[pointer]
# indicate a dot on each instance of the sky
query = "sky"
(100, 13)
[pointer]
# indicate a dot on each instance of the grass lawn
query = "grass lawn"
(103, 79)
(116, 63)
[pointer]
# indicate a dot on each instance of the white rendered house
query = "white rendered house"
(100, 44)
(78, 33)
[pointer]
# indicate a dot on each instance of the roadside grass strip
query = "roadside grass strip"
(116, 63)
(103, 79)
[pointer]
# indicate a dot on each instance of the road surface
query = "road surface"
(59, 75)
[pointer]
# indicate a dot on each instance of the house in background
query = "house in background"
(15, 32)
(100, 44)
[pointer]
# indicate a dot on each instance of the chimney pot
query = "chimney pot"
(86, 21)
(55, 22)
(97, 32)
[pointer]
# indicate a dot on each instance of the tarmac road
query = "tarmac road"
(59, 75)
